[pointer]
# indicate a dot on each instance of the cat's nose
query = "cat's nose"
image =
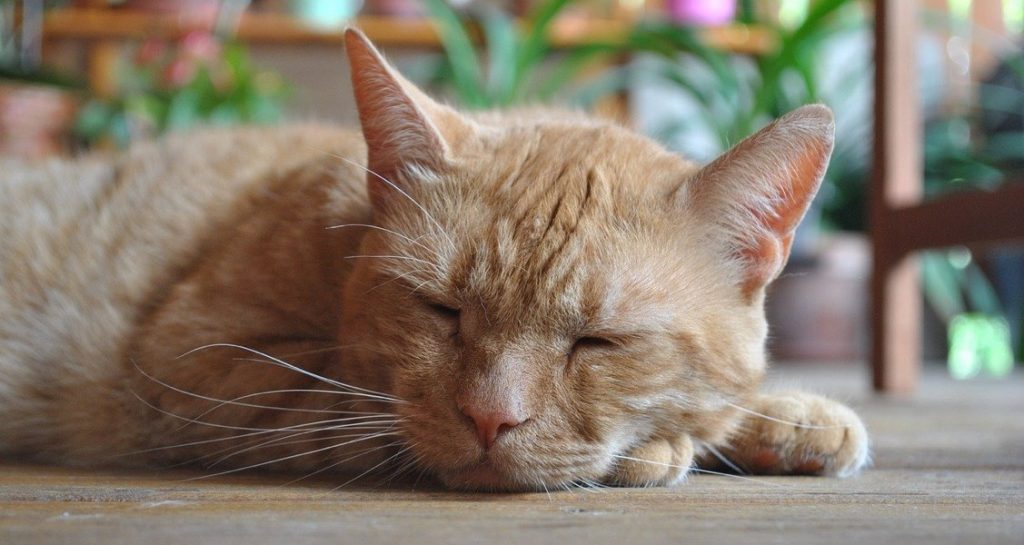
(490, 424)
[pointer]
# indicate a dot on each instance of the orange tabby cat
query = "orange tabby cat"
(506, 301)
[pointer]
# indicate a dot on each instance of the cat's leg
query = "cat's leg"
(659, 461)
(798, 433)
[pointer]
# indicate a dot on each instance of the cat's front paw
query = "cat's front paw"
(657, 462)
(802, 434)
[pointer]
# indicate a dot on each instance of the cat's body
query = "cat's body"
(93, 250)
(516, 301)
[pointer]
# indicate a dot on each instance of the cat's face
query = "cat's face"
(549, 292)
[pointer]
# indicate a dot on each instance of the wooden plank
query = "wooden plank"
(949, 469)
(974, 217)
(896, 182)
(102, 62)
(896, 325)
(271, 28)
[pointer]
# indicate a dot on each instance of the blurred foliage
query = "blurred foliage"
(735, 100)
(509, 71)
(979, 343)
(41, 76)
(171, 86)
(733, 103)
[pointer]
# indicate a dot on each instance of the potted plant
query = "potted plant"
(820, 312)
(515, 67)
(174, 85)
(818, 309)
(37, 106)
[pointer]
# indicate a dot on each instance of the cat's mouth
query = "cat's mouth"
(482, 476)
(488, 472)
(494, 476)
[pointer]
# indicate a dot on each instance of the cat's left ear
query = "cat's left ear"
(405, 130)
(756, 194)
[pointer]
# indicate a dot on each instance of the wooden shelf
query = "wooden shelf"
(271, 28)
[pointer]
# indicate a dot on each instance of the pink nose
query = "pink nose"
(490, 424)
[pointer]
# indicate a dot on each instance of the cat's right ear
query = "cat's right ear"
(755, 194)
(406, 132)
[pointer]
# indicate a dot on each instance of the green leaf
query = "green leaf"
(806, 36)
(577, 60)
(941, 285)
(536, 44)
(93, 120)
(980, 292)
(183, 110)
(500, 33)
(1005, 146)
(461, 55)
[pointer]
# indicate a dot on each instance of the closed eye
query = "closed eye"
(592, 343)
(444, 311)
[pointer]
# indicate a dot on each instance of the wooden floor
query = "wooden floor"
(949, 468)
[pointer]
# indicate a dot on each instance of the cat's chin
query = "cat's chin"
(486, 477)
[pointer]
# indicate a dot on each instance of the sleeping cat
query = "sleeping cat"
(512, 301)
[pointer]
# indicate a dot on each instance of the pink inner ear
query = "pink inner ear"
(767, 254)
(395, 126)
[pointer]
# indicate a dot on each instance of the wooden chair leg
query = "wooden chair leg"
(896, 182)
(895, 324)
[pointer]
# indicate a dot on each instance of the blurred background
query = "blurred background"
(697, 75)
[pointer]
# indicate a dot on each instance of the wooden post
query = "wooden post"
(102, 62)
(896, 181)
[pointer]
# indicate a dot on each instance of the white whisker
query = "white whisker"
(357, 477)
(394, 186)
(395, 279)
(210, 441)
(320, 350)
(689, 468)
(234, 402)
(229, 427)
(255, 437)
(395, 256)
(780, 421)
(740, 477)
(410, 463)
(360, 453)
(723, 459)
(279, 440)
(293, 456)
(414, 241)
(352, 389)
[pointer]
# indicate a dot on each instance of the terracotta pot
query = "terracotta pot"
(819, 312)
(197, 12)
(35, 120)
(410, 9)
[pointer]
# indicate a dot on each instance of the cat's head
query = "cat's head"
(552, 290)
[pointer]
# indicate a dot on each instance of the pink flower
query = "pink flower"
(149, 51)
(179, 72)
(200, 46)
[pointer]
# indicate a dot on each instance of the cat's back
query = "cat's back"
(86, 244)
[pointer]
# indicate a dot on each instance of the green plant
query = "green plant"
(958, 157)
(510, 72)
(733, 104)
(168, 87)
(963, 297)
(734, 98)
(737, 97)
